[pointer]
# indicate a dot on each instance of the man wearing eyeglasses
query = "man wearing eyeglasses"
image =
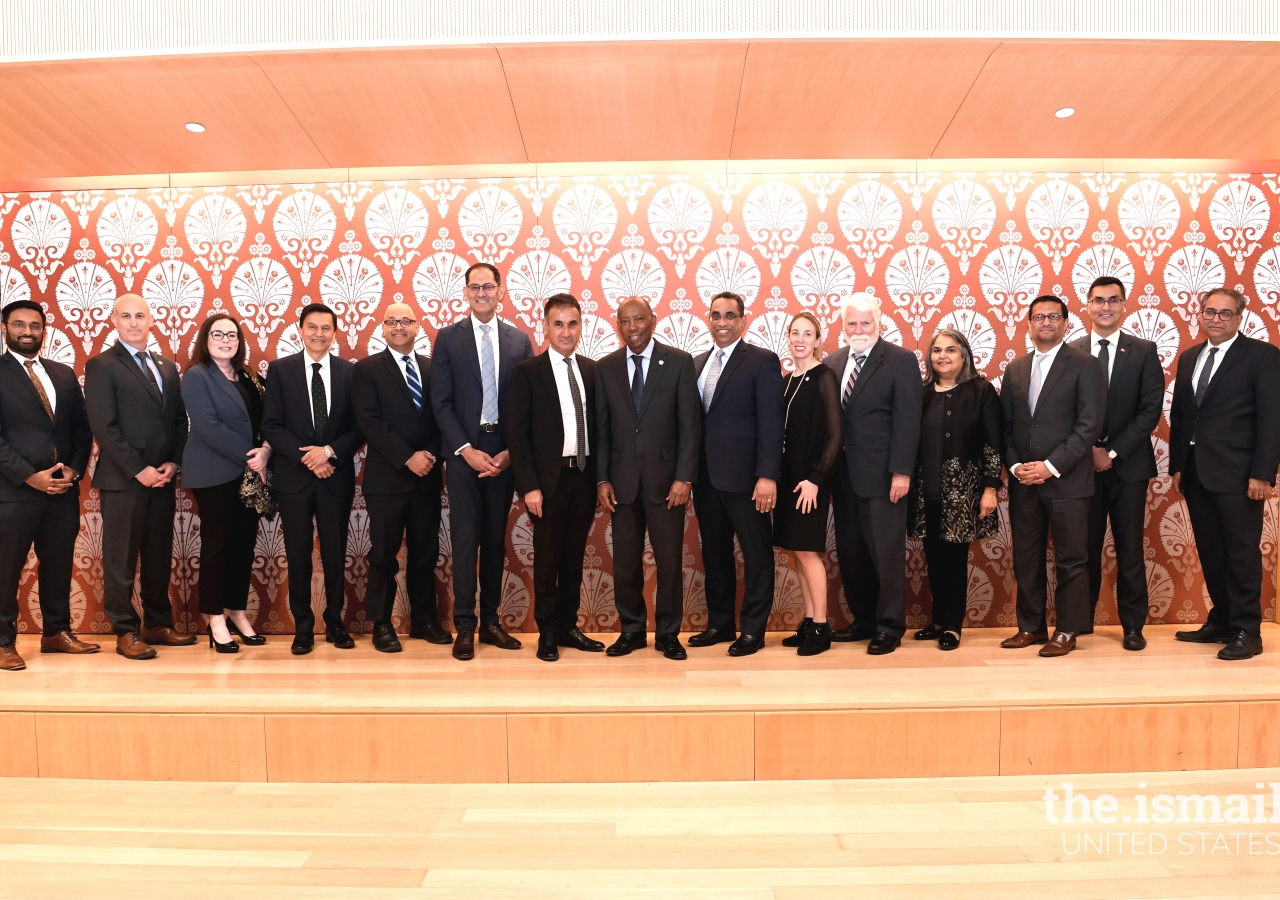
(1124, 461)
(1055, 406)
(1224, 448)
(470, 384)
(743, 421)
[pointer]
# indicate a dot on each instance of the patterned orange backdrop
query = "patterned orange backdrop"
(967, 250)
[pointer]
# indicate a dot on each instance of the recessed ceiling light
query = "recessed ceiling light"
(195, 127)
(1065, 113)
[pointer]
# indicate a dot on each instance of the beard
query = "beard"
(861, 343)
(18, 345)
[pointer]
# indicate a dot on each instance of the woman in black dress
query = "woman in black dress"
(953, 494)
(810, 448)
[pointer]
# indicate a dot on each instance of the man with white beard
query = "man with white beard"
(880, 398)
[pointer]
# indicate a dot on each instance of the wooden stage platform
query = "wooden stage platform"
(420, 716)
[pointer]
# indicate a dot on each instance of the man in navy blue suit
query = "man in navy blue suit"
(742, 427)
(471, 379)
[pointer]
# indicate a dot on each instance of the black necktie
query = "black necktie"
(637, 382)
(1104, 357)
(319, 406)
(1202, 386)
(578, 418)
(146, 370)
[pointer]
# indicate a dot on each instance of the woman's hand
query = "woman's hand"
(990, 500)
(808, 500)
(258, 460)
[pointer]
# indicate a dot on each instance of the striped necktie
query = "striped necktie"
(853, 379)
(488, 378)
(415, 386)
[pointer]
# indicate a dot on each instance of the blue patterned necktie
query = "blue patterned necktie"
(637, 382)
(415, 386)
(488, 378)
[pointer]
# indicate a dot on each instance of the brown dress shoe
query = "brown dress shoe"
(130, 646)
(66, 642)
(166, 637)
(9, 658)
(1024, 639)
(1063, 643)
(464, 645)
(497, 635)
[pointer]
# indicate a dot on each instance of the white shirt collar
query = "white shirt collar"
(1051, 352)
(22, 360)
(1095, 339)
(728, 351)
(324, 363)
(647, 352)
(476, 323)
(1223, 347)
(558, 353)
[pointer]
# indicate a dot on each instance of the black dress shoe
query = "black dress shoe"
(745, 645)
(711, 637)
(337, 635)
(252, 640)
(816, 640)
(431, 633)
(930, 633)
(626, 642)
(495, 634)
(464, 645)
(547, 651)
(852, 634)
(948, 641)
(1206, 634)
(796, 639)
(384, 638)
(883, 643)
(1243, 646)
(573, 637)
(229, 647)
(302, 644)
(670, 646)
(1133, 640)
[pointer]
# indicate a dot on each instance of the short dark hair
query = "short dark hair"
(1049, 298)
(200, 353)
(1241, 300)
(730, 295)
(1106, 281)
(313, 309)
(497, 276)
(560, 300)
(11, 308)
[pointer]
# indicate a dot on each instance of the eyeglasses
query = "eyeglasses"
(34, 327)
(224, 335)
(1107, 301)
(1047, 317)
(729, 317)
(487, 288)
(400, 323)
(1223, 315)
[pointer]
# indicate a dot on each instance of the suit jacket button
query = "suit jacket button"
(948, 434)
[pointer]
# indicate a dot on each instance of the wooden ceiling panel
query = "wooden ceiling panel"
(643, 101)
(401, 108)
(852, 99)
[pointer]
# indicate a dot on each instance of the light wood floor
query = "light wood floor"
(980, 838)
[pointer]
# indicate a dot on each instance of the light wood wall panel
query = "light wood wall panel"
(1259, 735)
(18, 745)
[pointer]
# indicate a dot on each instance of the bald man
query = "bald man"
(137, 416)
(391, 398)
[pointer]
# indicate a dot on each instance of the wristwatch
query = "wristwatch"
(333, 457)
(1111, 454)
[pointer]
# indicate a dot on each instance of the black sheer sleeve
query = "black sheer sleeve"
(823, 463)
(993, 444)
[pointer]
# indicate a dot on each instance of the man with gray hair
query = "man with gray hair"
(880, 397)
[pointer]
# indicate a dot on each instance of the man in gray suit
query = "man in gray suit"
(649, 423)
(1055, 406)
(134, 401)
(880, 395)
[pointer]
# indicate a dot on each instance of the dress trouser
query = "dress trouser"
(948, 564)
(1228, 531)
(51, 524)
(412, 517)
(559, 543)
(1125, 502)
(478, 511)
(721, 515)
(137, 524)
(666, 536)
(228, 537)
(1031, 517)
(315, 509)
(871, 543)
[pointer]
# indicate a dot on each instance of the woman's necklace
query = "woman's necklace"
(787, 418)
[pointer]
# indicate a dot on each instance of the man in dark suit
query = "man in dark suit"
(552, 417)
(1055, 407)
(1224, 447)
(134, 400)
(391, 399)
(744, 417)
(1123, 459)
(470, 385)
(307, 420)
(44, 449)
(881, 394)
(649, 427)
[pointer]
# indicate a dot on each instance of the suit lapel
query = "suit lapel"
(26, 377)
(1050, 379)
(131, 363)
(1123, 350)
(393, 369)
(467, 327)
(1236, 351)
(227, 387)
(730, 365)
(875, 356)
(657, 369)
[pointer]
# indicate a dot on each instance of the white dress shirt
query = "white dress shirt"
(1045, 359)
(325, 369)
(848, 365)
(493, 341)
(568, 415)
(43, 375)
(646, 356)
(406, 362)
(1217, 361)
(702, 379)
(151, 363)
(1113, 343)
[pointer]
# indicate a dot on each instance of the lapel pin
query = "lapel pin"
(662, 362)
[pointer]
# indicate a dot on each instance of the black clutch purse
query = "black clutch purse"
(255, 492)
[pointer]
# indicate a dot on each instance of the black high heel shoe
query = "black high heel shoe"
(228, 647)
(253, 640)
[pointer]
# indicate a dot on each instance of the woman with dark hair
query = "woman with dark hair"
(224, 402)
(953, 495)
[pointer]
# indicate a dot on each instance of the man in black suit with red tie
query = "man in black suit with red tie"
(1224, 448)
(307, 420)
(391, 399)
(44, 448)
(551, 429)
(744, 417)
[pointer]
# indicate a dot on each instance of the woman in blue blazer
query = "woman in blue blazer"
(224, 402)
